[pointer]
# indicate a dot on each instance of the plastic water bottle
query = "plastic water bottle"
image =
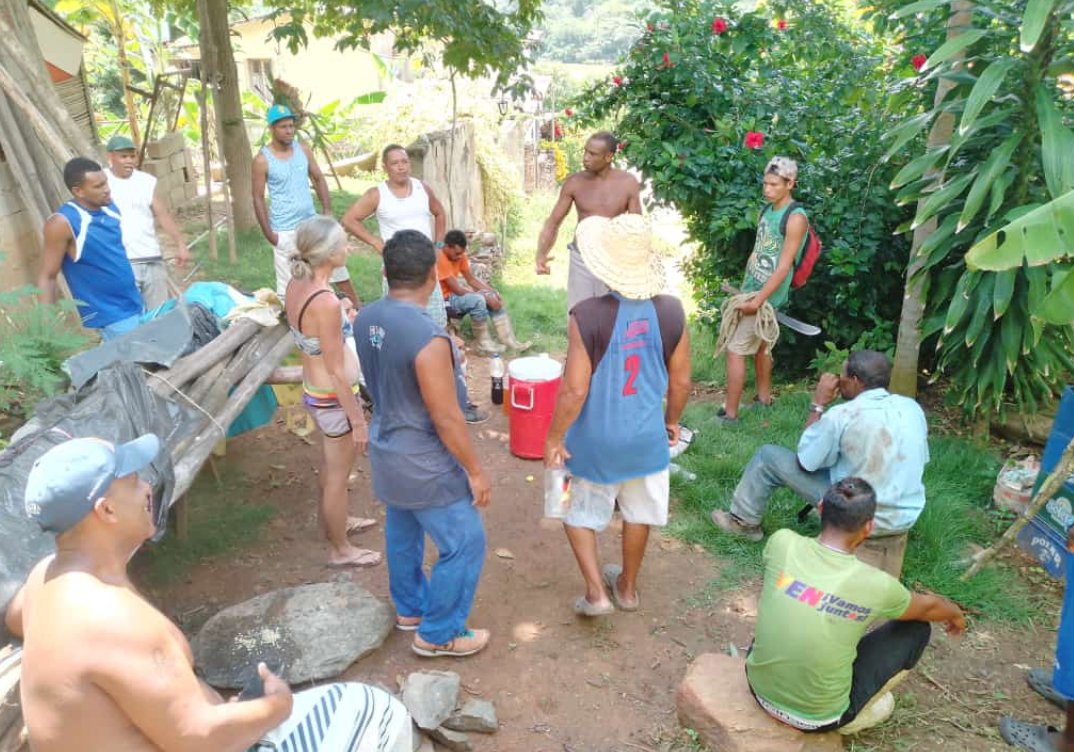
(557, 492)
(677, 469)
(496, 371)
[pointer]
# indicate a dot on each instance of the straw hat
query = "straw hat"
(620, 254)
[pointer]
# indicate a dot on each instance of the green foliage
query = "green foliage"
(35, 339)
(1010, 154)
(476, 38)
(577, 31)
(817, 90)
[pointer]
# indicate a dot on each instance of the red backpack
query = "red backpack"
(811, 252)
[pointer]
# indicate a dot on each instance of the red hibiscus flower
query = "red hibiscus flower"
(667, 61)
(617, 81)
(719, 26)
(559, 131)
(568, 112)
(754, 139)
(781, 25)
(918, 61)
(649, 26)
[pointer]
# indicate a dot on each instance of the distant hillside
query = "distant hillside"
(590, 31)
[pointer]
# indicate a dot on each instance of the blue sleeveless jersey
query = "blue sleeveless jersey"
(100, 275)
(620, 434)
(290, 200)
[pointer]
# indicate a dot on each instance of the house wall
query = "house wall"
(319, 71)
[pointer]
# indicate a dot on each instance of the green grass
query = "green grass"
(223, 519)
(958, 483)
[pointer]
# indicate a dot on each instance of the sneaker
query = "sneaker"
(475, 414)
(467, 642)
(875, 712)
(723, 417)
(729, 524)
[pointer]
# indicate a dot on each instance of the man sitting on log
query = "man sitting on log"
(103, 669)
(812, 665)
(873, 434)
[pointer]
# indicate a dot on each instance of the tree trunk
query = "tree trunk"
(217, 56)
(119, 31)
(908, 349)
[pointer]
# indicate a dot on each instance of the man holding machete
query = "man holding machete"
(777, 249)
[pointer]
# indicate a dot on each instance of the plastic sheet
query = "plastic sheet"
(117, 406)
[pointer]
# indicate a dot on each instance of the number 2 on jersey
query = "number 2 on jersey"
(631, 365)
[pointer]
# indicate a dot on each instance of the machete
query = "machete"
(791, 323)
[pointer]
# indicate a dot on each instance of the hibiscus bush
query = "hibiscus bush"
(708, 95)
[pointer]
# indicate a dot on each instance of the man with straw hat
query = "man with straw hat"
(627, 351)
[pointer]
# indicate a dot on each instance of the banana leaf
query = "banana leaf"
(1040, 236)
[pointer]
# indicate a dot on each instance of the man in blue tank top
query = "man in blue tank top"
(425, 469)
(287, 171)
(83, 239)
(627, 350)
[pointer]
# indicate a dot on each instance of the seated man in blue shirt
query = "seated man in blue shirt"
(873, 434)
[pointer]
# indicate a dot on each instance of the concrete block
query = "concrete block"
(191, 189)
(177, 196)
(155, 167)
(166, 146)
(715, 701)
(177, 161)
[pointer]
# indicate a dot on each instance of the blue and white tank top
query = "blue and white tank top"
(619, 434)
(100, 274)
(290, 199)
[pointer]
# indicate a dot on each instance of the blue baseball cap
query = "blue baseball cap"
(278, 112)
(67, 480)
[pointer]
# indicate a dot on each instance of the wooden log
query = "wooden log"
(10, 672)
(49, 136)
(205, 157)
(188, 464)
(285, 375)
(199, 389)
(15, 738)
(193, 365)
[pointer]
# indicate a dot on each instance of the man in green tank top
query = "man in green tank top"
(768, 279)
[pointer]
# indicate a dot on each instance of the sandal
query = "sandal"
(467, 642)
(724, 418)
(611, 574)
(1040, 681)
(582, 607)
(1027, 736)
(362, 560)
(359, 524)
(758, 402)
(403, 626)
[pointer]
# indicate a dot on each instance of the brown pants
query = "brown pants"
(884, 553)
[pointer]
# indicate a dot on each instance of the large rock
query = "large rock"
(474, 715)
(430, 697)
(453, 740)
(715, 701)
(311, 631)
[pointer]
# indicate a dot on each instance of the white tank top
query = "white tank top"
(410, 213)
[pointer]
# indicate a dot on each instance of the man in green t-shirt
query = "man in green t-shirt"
(812, 665)
(768, 278)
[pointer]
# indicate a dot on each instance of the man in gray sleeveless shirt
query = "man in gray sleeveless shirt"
(287, 171)
(425, 469)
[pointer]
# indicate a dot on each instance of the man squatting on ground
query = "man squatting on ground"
(125, 681)
(287, 172)
(599, 190)
(627, 350)
(140, 208)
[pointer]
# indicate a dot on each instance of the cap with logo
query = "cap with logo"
(119, 143)
(67, 480)
(278, 112)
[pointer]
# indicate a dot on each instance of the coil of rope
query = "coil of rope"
(730, 316)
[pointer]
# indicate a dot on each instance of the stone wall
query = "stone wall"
(451, 171)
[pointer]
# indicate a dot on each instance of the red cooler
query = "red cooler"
(533, 388)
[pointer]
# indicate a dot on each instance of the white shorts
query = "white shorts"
(642, 501)
(281, 259)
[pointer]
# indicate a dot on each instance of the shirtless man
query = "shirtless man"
(103, 669)
(599, 190)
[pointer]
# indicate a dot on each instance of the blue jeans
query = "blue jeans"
(117, 328)
(472, 304)
(774, 467)
(444, 599)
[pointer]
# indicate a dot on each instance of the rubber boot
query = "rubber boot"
(481, 334)
(506, 334)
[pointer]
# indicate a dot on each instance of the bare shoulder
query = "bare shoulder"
(624, 176)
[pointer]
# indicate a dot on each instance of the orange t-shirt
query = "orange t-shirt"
(448, 269)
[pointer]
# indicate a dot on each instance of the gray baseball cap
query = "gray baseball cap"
(67, 480)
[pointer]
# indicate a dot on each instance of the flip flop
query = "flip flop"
(358, 524)
(1040, 681)
(407, 627)
(583, 607)
(361, 561)
(611, 574)
(1026, 736)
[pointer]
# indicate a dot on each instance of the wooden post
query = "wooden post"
(206, 165)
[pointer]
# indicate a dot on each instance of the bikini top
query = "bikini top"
(307, 344)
